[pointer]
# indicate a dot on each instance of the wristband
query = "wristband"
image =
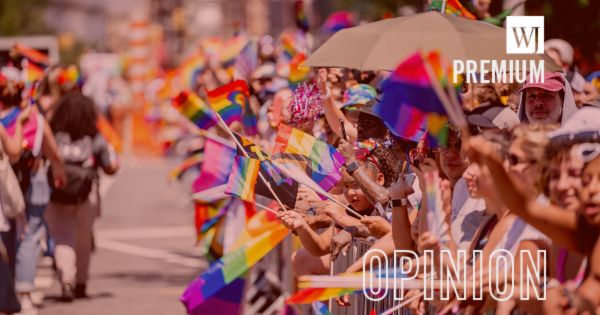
(397, 203)
(352, 167)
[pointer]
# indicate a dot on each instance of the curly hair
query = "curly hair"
(388, 164)
(75, 114)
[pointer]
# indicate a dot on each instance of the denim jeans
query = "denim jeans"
(29, 248)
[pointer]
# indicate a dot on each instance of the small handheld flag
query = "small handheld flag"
(242, 179)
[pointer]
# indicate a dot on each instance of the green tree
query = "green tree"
(22, 17)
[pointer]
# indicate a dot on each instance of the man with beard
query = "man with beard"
(547, 102)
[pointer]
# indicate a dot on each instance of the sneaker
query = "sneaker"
(67, 293)
(80, 291)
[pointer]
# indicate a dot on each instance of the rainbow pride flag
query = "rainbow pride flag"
(300, 15)
(69, 76)
(232, 265)
(231, 49)
(289, 45)
(206, 211)
(247, 60)
(230, 100)
(190, 69)
(242, 179)
(410, 103)
(453, 7)
(298, 72)
(192, 107)
(32, 55)
(185, 165)
(32, 73)
(218, 160)
(310, 295)
(285, 188)
(227, 301)
(321, 161)
(338, 20)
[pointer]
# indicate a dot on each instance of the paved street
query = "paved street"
(145, 251)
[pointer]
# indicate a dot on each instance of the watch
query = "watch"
(352, 167)
(399, 202)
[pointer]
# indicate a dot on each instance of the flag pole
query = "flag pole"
(321, 192)
(452, 108)
(265, 208)
(239, 145)
(443, 6)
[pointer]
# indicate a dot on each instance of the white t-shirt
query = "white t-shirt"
(467, 215)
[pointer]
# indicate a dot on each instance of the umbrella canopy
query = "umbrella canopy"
(383, 44)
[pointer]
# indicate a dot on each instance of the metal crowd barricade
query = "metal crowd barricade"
(269, 282)
(359, 304)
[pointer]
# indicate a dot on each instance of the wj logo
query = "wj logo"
(525, 35)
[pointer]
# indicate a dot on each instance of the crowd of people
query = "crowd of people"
(51, 153)
(522, 178)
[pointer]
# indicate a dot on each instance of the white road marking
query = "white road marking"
(150, 253)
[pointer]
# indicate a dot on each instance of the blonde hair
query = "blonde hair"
(534, 141)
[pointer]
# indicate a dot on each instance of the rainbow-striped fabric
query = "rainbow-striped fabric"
(298, 72)
(242, 179)
(229, 100)
(338, 20)
(310, 295)
(410, 104)
(193, 107)
(321, 161)
(218, 160)
(233, 264)
(190, 69)
(453, 7)
(32, 55)
(185, 165)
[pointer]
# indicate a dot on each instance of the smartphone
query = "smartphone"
(343, 129)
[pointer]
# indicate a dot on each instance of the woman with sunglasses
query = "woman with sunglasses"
(577, 231)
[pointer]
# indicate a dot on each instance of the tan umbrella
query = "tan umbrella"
(382, 45)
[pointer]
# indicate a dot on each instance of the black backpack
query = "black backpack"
(78, 157)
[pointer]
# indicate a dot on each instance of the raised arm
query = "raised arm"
(314, 243)
(557, 223)
(332, 113)
(374, 191)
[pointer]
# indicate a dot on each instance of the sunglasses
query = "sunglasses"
(514, 160)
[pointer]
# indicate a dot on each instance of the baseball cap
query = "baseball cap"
(553, 81)
(583, 126)
(358, 94)
(493, 116)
